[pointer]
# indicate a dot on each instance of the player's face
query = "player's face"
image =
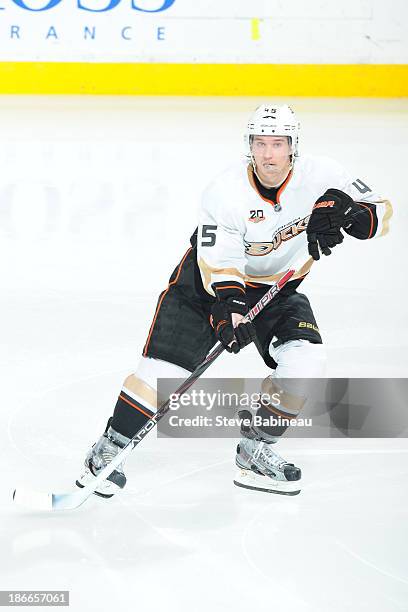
(271, 155)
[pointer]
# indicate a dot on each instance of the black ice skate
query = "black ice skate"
(102, 453)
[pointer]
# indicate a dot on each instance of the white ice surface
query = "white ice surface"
(98, 197)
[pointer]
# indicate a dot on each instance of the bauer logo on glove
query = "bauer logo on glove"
(330, 214)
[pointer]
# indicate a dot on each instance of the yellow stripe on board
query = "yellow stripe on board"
(365, 80)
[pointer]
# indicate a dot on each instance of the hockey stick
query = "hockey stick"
(36, 500)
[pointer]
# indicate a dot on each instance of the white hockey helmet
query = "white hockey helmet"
(273, 120)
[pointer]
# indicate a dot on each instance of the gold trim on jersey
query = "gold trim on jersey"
(275, 277)
(386, 219)
(207, 271)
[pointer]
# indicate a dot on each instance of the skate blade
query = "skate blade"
(104, 495)
(247, 479)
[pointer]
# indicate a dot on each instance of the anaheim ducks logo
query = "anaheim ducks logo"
(258, 249)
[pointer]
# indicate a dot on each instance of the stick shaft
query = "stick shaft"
(194, 376)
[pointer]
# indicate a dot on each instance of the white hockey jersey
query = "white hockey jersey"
(245, 237)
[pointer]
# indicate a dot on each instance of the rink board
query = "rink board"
(346, 80)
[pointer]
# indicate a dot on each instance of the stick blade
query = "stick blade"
(40, 501)
(33, 500)
(69, 501)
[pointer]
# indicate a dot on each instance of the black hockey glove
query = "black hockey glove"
(231, 299)
(330, 213)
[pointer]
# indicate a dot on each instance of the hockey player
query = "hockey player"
(256, 219)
